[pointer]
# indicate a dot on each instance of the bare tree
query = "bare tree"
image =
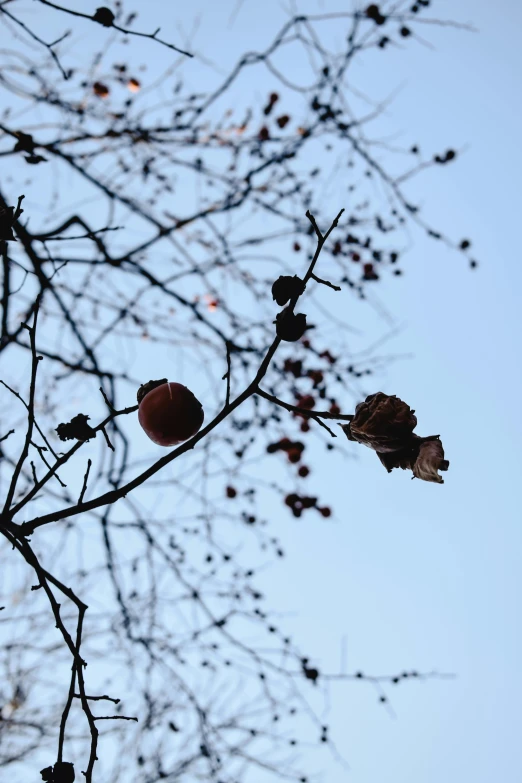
(169, 232)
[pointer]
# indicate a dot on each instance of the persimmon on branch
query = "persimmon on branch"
(287, 291)
(27, 528)
(81, 430)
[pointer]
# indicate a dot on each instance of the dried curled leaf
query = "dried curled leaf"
(76, 429)
(385, 424)
(430, 461)
(403, 458)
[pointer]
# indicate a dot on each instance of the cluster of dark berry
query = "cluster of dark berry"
(298, 503)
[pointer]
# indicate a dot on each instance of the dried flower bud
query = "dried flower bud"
(290, 326)
(286, 288)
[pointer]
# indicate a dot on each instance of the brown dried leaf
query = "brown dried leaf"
(383, 423)
(430, 461)
(404, 458)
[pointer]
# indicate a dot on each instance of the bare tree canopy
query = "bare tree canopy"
(150, 233)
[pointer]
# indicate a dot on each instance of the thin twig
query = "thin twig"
(114, 717)
(65, 457)
(28, 528)
(305, 411)
(315, 415)
(109, 444)
(98, 698)
(153, 36)
(326, 282)
(30, 422)
(107, 401)
(33, 35)
(227, 375)
(85, 479)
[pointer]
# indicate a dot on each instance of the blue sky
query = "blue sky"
(413, 575)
